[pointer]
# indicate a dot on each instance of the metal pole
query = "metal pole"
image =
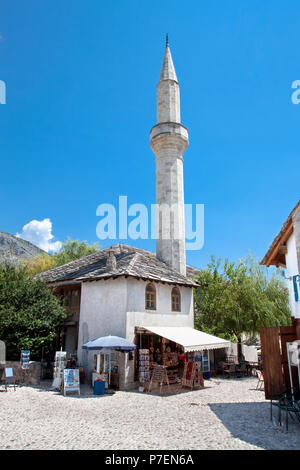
(289, 365)
(109, 369)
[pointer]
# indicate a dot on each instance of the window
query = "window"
(150, 297)
(71, 298)
(176, 304)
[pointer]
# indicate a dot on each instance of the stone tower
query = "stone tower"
(169, 140)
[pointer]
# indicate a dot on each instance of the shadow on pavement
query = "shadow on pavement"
(250, 422)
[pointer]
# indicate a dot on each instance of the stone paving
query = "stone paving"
(227, 414)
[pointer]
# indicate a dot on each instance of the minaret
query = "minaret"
(169, 140)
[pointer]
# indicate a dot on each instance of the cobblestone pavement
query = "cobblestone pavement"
(227, 414)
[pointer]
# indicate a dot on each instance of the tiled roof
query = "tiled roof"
(130, 262)
(277, 239)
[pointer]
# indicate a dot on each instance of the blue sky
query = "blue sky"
(81, 95)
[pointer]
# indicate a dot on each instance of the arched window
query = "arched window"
(176, 301)
(150, 297)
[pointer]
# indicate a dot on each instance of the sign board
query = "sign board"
(25, 358)
(144, 365)
(159, 375)
(71, 381)
(198, 376)
(192, 375)
(9, 372)
(59, 366)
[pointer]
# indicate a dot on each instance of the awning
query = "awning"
(189, 338)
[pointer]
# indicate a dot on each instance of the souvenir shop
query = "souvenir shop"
(183, 353)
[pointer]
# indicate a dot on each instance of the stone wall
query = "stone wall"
(32, 377)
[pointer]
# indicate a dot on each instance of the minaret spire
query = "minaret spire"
(169, 140)
(167, 70)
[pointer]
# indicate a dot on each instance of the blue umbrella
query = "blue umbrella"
(110, 342)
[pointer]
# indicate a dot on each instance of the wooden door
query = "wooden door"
(272, 361)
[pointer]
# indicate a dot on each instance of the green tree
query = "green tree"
(74, 249)
(233, 299)
(38, 264)
(70, 251)
(30, 315)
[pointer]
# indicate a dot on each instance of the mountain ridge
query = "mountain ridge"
(13, 249)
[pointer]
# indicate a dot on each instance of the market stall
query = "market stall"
(175, 348)
(106, 364)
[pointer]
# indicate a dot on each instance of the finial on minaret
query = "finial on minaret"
(167, 70)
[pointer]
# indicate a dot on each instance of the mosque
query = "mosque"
(136, 294)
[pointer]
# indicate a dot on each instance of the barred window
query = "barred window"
(176, 302)
(150, 297)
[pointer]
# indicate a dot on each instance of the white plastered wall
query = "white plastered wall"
(117, 306)
(137, 316)
(102, 313)
(292, 270)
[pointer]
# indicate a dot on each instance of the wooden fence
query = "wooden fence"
(274, 356)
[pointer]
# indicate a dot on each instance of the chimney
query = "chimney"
(111, 262)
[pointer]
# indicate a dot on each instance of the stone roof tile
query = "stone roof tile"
(130, 262)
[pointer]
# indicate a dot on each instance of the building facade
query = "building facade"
(285, 252)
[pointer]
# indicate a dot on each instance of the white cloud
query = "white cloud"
(39, 232)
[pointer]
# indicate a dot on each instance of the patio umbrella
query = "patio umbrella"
(108, 343)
